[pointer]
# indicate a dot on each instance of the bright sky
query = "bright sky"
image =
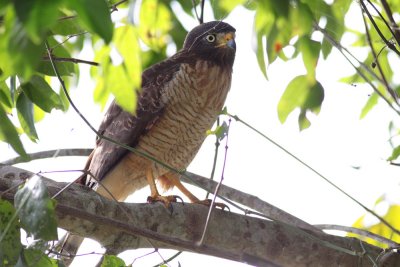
(335, 144)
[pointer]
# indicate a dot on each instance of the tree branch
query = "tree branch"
(50, 154)
(237, 237)
(250, 201)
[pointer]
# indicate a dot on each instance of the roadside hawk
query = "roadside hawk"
(179, 101)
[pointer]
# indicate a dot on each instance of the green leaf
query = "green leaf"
(37, 16)
(25, 116)
(5, 97)
(118, 81)
(95, 14)
(36, 258)
(310, 52)
(10, 236)
(304, 93)
(372, 101)
(124, 79)
(263, 22)
(101, 91)
(40, 93)
(67, 27)
(179, 33)
(64, 68)
(222, 8)
(395, 154)
(58, 50)
(36, 210)
(9, 134)
(301, 19)
(281, 8)
(38, 113)
(155, 24)
(220, 131)
(4, 3)
(127, 43)
(260, 54)
(24, 54)
(187, 6)
(112, 261)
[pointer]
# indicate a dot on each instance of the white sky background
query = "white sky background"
(336, 142)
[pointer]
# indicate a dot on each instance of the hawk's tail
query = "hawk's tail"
(69, 245)
(83, 179)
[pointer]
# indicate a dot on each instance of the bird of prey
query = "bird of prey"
(179, 101)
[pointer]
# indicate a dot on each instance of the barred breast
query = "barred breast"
(193, 100)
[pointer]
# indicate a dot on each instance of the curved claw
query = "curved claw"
(167, 200)
(207, 202)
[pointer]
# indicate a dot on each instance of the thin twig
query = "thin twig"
(142, 256)
(66, 39)
(112, 9)
(357, 231)
(67, 17)
(169, 259)
(376, 60)
(385, 222)
(389, 14)
(381, 16)
(65, 89)
(73, 60)
(202, 11)
(195, 11)
(215, 157)
(114, 6)
(342, 50)
(10, 189)
(388, 43)
(217, 188)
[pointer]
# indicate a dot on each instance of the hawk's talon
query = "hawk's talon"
(167, 200)
(207, 202)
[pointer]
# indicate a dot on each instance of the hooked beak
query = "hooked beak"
(227, 40)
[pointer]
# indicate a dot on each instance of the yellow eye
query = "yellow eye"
(210, 38)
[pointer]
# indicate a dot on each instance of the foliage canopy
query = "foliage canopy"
(35, 33)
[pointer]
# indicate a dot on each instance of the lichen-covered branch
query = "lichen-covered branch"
(247, 200)
(233, 236)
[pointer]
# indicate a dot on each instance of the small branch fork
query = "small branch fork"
(200, 17)
(217, 188)
(384, 39)
(349, 57)
(392, 93)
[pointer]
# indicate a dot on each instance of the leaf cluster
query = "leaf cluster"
(34, 212)
(123, 47)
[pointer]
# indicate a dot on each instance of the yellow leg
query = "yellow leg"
(155, 195)
(174, 179)
(150, 179)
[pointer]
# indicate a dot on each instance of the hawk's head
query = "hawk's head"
(214, 41)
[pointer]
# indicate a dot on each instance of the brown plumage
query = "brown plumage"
(180, 100)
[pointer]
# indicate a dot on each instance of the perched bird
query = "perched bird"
(179, 101)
